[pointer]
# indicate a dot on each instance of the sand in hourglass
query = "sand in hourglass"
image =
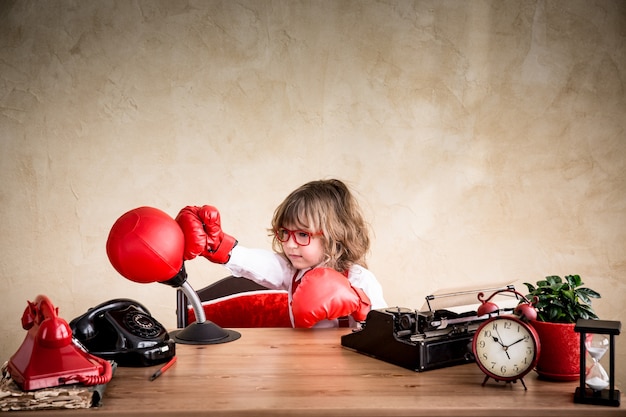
(597, 379)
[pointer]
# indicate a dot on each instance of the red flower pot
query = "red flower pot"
(560, 351)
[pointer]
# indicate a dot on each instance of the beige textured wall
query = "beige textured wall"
(486, 139)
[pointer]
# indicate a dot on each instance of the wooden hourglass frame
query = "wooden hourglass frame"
(585, 395)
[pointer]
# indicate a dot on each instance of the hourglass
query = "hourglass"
(595, 380)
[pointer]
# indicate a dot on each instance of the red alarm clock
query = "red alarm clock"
(506, 347)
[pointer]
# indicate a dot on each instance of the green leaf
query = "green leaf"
(553, 279)
(574, 280)
(541, 284)
(569, 294)
(588, 292)
(588, 311)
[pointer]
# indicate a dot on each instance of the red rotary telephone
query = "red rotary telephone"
(48, 356)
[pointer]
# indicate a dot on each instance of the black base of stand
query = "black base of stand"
(597, 397)
(206, 333)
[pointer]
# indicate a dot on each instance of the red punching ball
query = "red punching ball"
(146, 245)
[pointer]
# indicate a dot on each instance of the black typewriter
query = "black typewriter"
(429, 339)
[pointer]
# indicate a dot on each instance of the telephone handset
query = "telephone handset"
(124, 331)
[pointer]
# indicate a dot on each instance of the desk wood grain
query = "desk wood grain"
(287, 372)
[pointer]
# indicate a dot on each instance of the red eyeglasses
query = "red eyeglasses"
(301, 237)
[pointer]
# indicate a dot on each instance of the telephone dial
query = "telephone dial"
(124, 331)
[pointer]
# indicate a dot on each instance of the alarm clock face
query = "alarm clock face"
(505, 348)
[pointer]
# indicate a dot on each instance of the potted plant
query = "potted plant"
(560, 303)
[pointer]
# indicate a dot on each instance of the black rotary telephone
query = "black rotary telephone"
(124, 331)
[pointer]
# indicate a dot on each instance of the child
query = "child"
(320, 241)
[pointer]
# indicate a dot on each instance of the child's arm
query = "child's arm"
(324, 293)
(363, 278)
(261, 266)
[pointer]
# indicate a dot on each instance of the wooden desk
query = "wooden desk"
(287, 372)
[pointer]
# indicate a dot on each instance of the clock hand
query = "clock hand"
(495, 339)
(502, 344)
(515, 342)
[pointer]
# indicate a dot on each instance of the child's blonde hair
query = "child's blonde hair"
(327, 206)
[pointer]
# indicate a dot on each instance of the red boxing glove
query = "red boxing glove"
(203, 234)
(324, 293)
